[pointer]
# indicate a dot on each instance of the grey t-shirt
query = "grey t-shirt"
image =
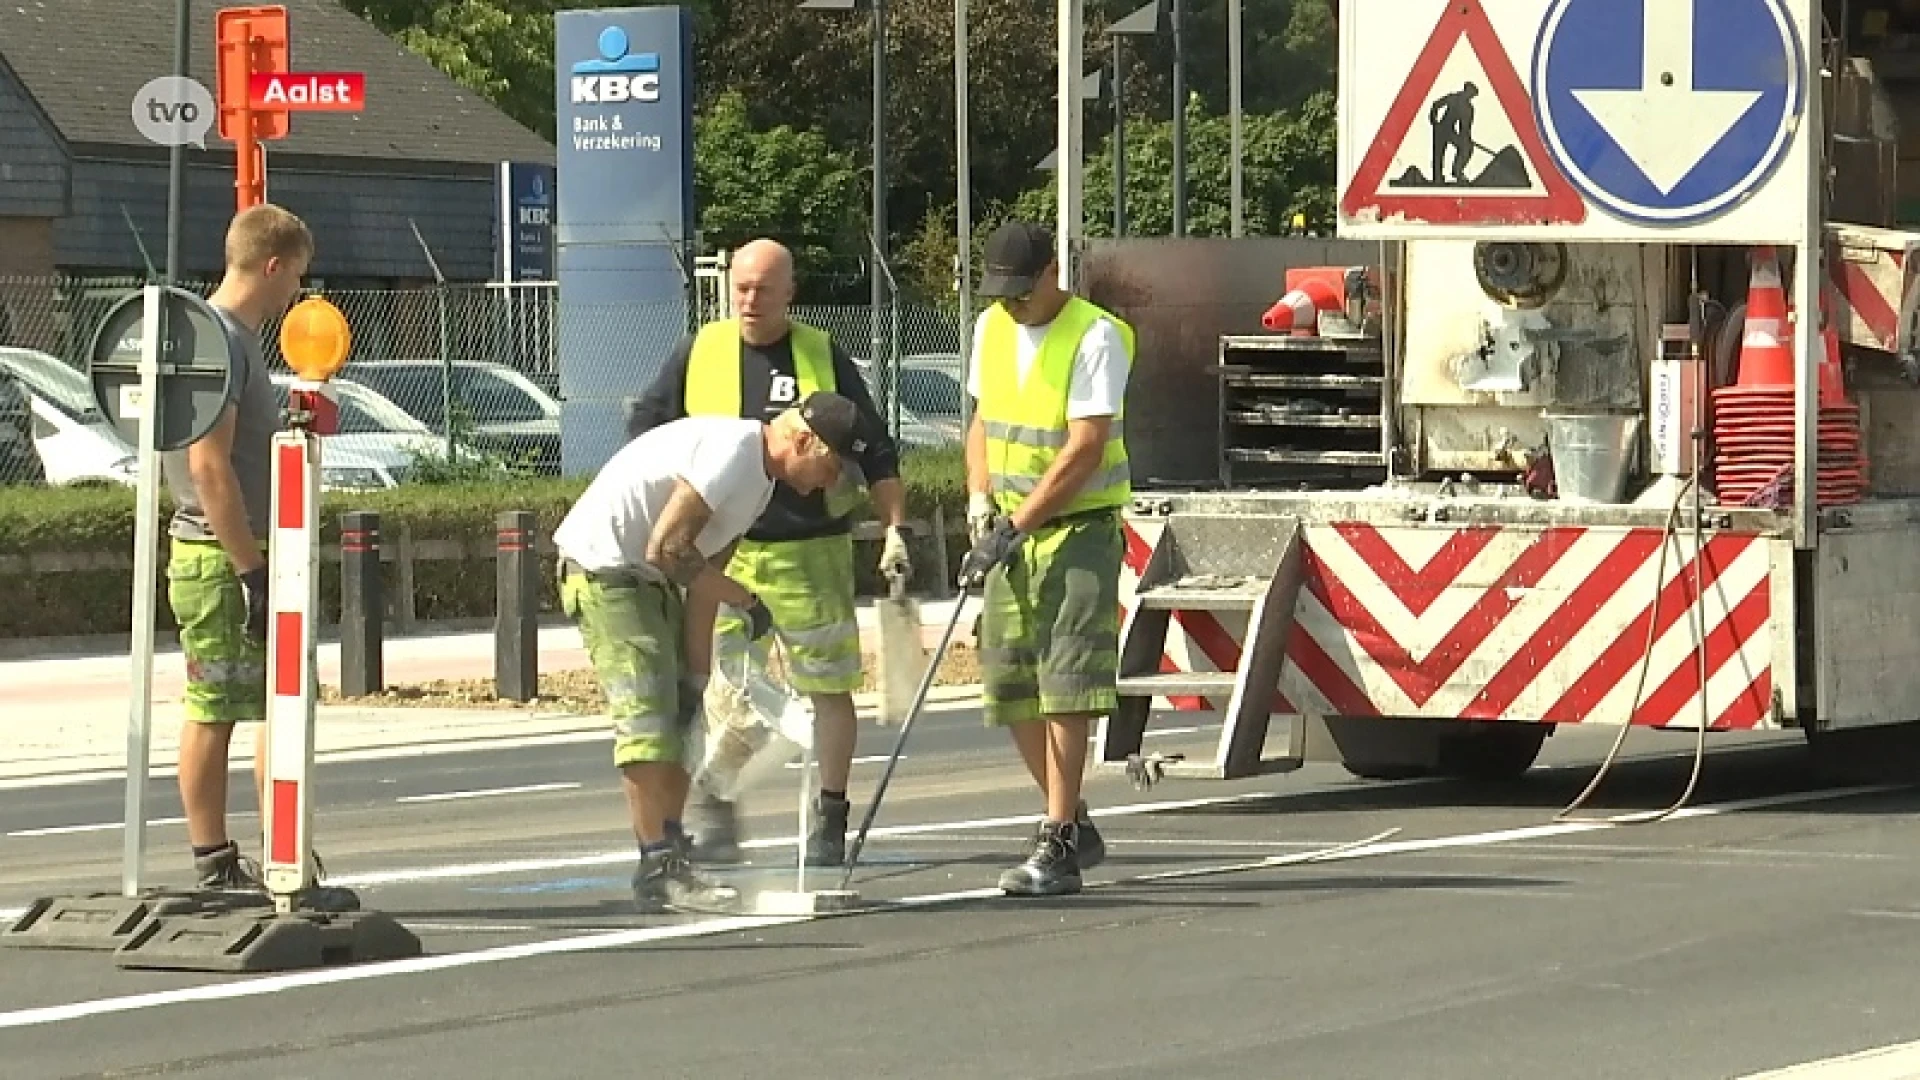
(257, 418)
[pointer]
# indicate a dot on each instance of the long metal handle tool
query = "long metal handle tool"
(900, 741)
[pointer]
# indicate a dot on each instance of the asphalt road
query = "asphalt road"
(1772, 922)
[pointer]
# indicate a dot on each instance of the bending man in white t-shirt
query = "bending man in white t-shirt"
(659, 521)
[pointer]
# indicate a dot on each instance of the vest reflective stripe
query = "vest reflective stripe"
(1026, 424)
(713, 371)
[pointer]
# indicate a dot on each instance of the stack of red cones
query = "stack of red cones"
(1753, 419)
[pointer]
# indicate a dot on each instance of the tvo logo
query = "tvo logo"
(615, 88)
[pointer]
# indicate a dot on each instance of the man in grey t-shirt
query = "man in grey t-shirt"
(217, 566)
(255, 419)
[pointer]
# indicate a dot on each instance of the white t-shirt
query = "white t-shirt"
(722, 457)
(1099, 382)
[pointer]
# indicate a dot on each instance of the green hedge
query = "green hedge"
(97, 520)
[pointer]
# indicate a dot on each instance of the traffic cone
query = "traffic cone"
(1833, 378)
(1766, 352)
(1298, 312)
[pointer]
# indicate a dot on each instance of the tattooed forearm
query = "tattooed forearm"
(680, 561)
(672, 549)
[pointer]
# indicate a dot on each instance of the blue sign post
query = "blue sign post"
(1669, 113)
(624, 229)
(526, 221)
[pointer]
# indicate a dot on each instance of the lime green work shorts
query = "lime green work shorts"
(1050, 624)
(635, 633)
(808, 587)
(226, 669)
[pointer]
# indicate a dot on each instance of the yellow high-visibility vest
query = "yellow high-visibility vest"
(1026, 424)
(713, 371)
(713, 384)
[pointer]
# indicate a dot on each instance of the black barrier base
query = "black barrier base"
(103, 922)
(249, 941)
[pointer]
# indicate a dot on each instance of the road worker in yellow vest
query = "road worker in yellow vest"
(798, 557)
(1047, 478)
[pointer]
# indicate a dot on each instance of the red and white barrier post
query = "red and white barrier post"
(293, 574)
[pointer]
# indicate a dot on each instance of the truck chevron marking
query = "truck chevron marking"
(1488, 623)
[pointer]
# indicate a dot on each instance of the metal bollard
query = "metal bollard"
(516, 631)
(363, 608)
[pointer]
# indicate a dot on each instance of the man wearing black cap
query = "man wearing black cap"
(799, 555)
(1047, 477)
(642, 557)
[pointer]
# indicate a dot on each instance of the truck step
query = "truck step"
(1214, 684)
(1204, 592)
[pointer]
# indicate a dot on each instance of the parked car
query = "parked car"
(507, 413)
(75, 442)
(20, 464)
(377, 443)
(930, 399)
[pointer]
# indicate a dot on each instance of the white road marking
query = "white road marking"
(623, 855)
(62, 830)
(587, 942)
(870, 759)
(1900, 1061)
(484, 793)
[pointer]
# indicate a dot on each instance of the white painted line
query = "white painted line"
(870, 759)
(484, 793)
(11, 913)
(626, 854)
(272, 984)
(1897, 1062)
(1881, 913)
(587, 942)
(62, 830)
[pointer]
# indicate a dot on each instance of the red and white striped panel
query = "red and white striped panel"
(1519, 624)
(293, 565)
(1871, 298)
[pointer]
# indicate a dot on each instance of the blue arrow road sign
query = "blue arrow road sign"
(1668, 112)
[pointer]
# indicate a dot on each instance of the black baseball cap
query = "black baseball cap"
(835, 420)
(1017, 252)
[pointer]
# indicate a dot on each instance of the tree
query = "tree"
(778, 182)
(1287, 170)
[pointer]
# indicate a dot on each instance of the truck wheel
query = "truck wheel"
(1503, 753)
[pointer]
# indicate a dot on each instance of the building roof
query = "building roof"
(84, 60)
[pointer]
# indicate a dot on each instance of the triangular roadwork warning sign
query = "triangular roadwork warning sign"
(1469, 201)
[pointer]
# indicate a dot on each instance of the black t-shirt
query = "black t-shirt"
(768, 387)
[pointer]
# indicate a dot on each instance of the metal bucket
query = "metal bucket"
(1593, 454)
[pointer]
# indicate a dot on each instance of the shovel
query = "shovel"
(903, 655)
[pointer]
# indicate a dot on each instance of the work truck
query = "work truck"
(1602, 408)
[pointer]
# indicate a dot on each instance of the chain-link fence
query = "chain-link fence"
(442, 380)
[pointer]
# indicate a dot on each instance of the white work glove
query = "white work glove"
(894, 561)
(980, 514)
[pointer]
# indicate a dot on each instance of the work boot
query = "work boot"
(227, 871)
(713, 827)
(1053, 869)
(1093, 848)
(667, 881)
(827, 839)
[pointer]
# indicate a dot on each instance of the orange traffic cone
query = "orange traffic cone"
(1766, 355)
(1299, 311)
